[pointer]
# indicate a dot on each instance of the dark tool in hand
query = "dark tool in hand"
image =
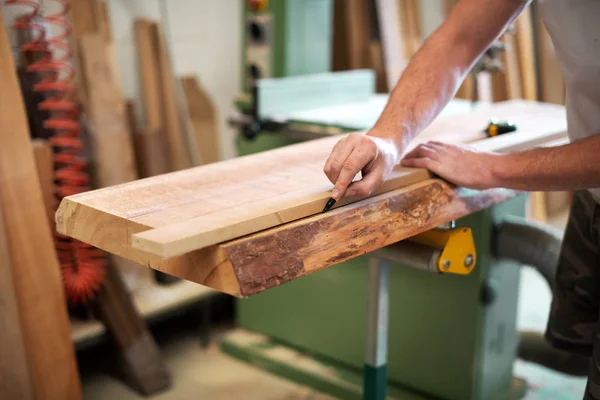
(497, 127)
(329, 204)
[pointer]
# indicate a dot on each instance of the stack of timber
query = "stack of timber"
(122, 151)
(203, 224)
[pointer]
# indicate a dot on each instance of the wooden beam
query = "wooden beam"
(203, 122)
(285, 253)
(179, 238)
(357, 33)
(218, 202)
(103, 17)
(111, 144)
(85, 20)
(255, 263)
(390, 33)
(411, 26)
(552, 84)
(44, 163)
(506, 85)
(15, 381)
(35, 270)
(154, 141)
(526, 54)
(179, 155)
(144, 368)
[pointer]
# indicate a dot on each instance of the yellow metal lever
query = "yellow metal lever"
(457, 245)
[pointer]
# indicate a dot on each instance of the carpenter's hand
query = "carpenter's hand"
(373, 156)
(460, 165)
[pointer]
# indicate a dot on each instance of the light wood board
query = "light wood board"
(552, 84)
(44, 163)
(152, 138)
(178, 153)
(390, 33)
(86, 18)
(201, 112)
(357, 33)
(35, 270)
(15, 382)
(113, 161)
(526, 53)
(207, 205)
(410, 17)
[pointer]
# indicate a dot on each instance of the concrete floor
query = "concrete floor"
(209, 374)
(197, 373)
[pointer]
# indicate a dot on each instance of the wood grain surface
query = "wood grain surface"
(153, 134)
(211, 204)
(282, 193)
(44, 163)
(15, 381)
(178, 152)
(202, 115)
(35, 270)
(248, 194)
(285, 253)
(114, 160)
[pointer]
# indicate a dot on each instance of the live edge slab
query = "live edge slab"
(299, 240)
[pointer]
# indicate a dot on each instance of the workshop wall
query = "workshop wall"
(205, 38)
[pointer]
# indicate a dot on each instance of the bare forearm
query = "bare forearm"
(436, 71)
(570, 167)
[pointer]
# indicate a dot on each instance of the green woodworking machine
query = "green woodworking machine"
(446, 336)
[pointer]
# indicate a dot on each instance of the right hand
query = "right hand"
(375, 157)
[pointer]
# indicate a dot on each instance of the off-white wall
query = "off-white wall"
(205, 37)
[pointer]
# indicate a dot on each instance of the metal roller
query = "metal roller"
(442, 250)
(413, 255)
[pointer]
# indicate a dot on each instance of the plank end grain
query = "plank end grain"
(208, 266)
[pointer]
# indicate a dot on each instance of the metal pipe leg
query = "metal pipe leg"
(375, 371)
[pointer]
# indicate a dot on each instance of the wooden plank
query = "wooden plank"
(357, 33)
(390, 38)
(85, 21)
(201, 112)
(178, 153)
(140, 356)
(411, 26)
(103, 18)
(44, 163)
(15, 382)
(526, 54)
(36, 274)
(252, 264)
(285, 253)
(152, 137)
(506, 85)
(113, 152)
(214, 203)
(552, 84)
(340, 42)
(511, 68)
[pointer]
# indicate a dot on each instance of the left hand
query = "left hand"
(460, 165)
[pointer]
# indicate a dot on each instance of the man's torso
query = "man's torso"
(574, 26)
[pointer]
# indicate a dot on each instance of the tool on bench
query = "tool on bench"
(497, 127)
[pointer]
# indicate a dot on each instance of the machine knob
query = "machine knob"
(256, 32)
(488, 293)
(254, 71)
